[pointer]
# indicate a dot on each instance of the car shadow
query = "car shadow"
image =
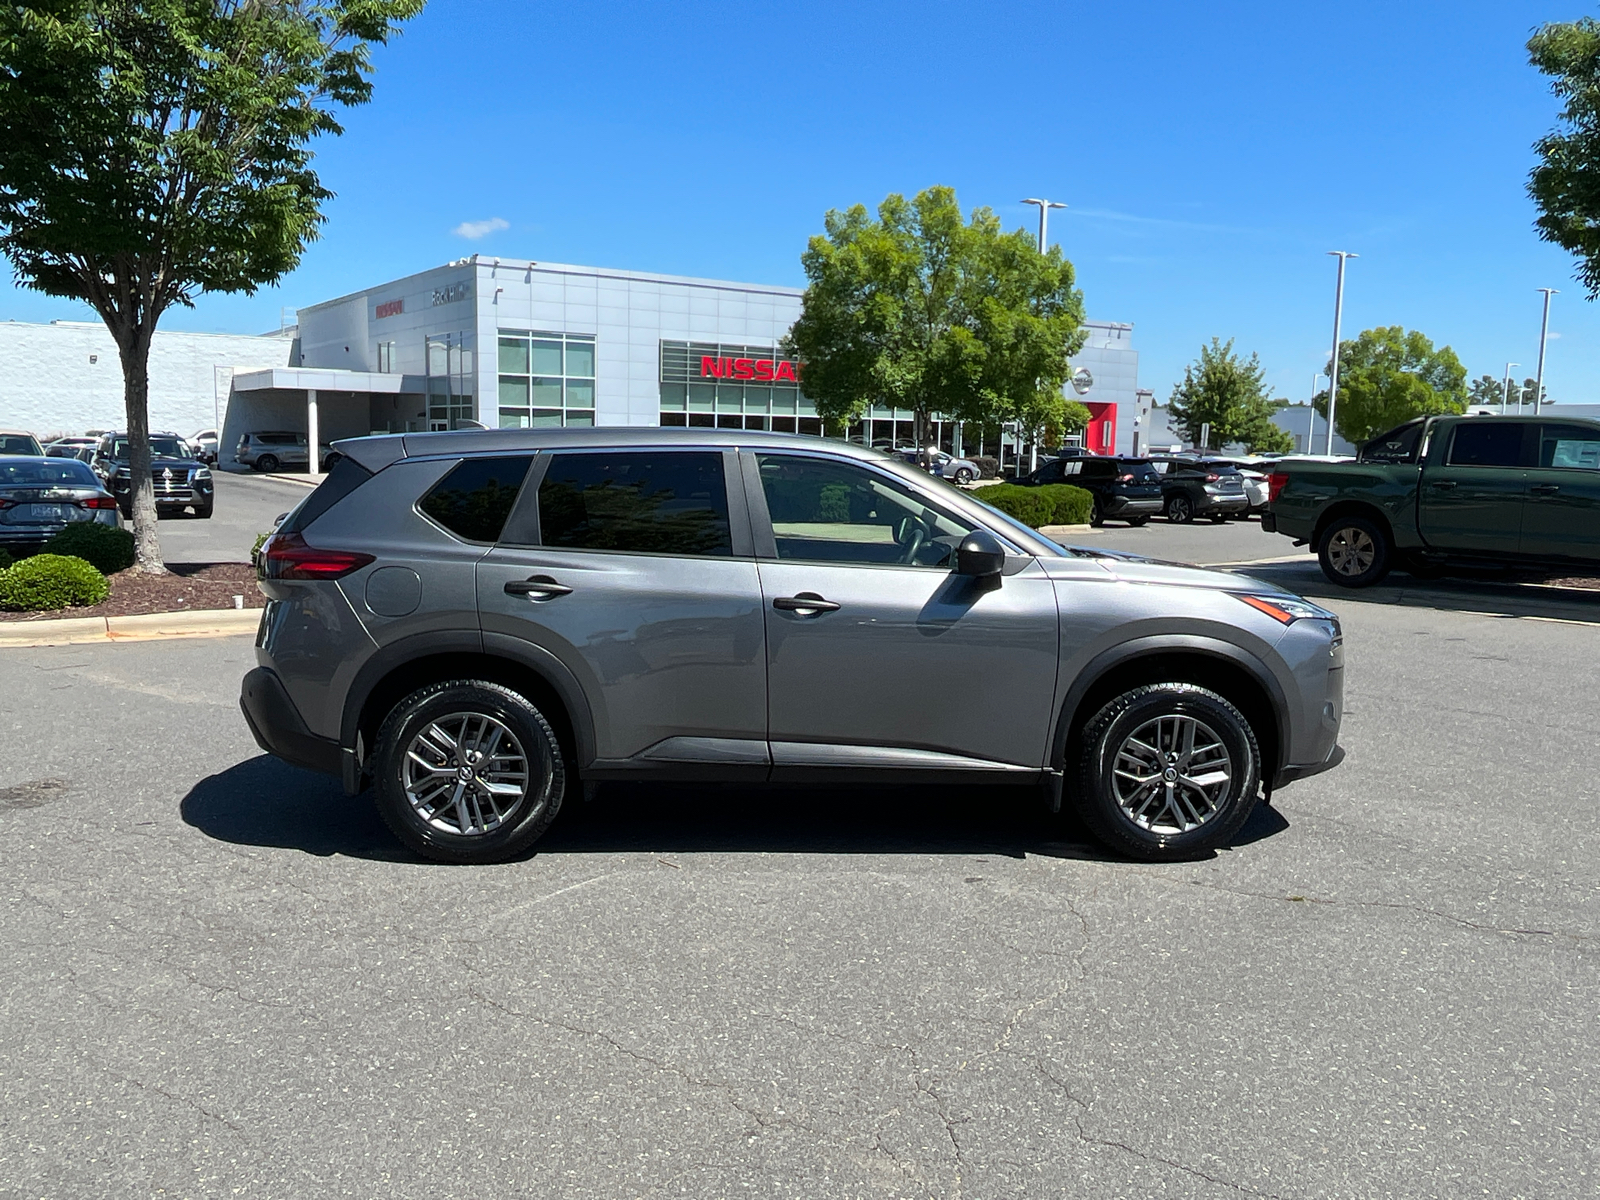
(265, 802)
(1499, 593)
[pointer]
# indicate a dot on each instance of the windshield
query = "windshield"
(160, 447)
(49, 472)
(15, 444)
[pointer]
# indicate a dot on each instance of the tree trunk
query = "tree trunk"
(134, 348)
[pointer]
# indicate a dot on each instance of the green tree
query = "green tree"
(919, 309)
(155, 150)
(1221, 400)
(1389, 375)
(1565, 185)
(1484, 391)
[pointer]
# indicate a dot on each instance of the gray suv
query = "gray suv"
(476, 622)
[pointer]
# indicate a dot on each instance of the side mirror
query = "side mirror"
(980, 555)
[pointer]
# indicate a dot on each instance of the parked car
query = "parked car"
(1253, 471)
(181, 480)
(205, 445)
(272, 450)
(68, 447)
(1191, 488)
(946, 466)
(15, 441)
(40, 496)
(1441, 491)
(477, 623)
(1124, 489)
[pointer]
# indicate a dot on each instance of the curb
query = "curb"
(146, 627)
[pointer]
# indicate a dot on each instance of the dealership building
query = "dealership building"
(505, 343)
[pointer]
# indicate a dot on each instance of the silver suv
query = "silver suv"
(475, 622)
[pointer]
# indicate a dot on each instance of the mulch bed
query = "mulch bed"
(189, 586)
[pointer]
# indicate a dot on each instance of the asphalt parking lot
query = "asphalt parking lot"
(223, 977)
(246, 506)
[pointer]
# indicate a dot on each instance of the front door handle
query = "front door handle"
(1545, 489)
(537, 587)
(1444, 485)
(807, 604)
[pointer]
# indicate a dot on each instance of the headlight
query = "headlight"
(1287, 609)
(203, 473)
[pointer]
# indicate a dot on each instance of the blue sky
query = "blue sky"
(1210, 154)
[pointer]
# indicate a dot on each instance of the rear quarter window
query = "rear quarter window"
(345, 477)
(474, 499)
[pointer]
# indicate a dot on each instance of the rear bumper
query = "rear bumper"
(1228, 503)
(278, 727)
(1122, 506)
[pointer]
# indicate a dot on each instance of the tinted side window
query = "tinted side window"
(1097, 468)
(345, 477)
(475, 498)
(1399, 445)
(649, 502)
(1487, 444)
(1570, 447)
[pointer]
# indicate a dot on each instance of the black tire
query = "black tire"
(1157, 837)
(455, 700)
(267, 462)
(963, 475)
(1180, 509)
(1354, 552)
(1219, 518)
(202, 512)
(1096, 517)
(1138, 522)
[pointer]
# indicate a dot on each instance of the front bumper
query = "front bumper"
(278, 726)
(1292, 772)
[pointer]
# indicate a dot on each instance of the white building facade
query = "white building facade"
(503, 343)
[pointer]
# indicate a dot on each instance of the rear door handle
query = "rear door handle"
(1545, 489)
(806, 604)
(1444, 485)
(537, 587)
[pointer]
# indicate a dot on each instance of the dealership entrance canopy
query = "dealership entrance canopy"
(514, 343)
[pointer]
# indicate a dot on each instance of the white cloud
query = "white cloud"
(473, 230)
(1554, 335)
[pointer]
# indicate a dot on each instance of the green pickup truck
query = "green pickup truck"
(1438, 491)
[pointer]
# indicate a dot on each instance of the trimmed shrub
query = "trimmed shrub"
(5, 559)
(106, 549)
(1052, 504)
(255, 551)
(49, 581)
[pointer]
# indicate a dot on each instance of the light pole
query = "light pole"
(1338, 315)
(1044, 216)
(1544, 336)
(1311, 429)
(1505, 389)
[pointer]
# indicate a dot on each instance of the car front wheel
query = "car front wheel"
(1166, 771)
(467, 771)
(963, 476)
(1353, 552)
(267, 463)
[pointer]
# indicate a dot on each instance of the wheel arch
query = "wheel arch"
(398, 670)
(1352, 508)
(1228, 670)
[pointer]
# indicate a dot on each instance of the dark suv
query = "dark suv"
(1124, 489)
(477, 621)
(1192, 487)
(181, 480)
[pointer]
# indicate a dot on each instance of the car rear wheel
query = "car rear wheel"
(1353, 552)
(267, 462)
(1096, 517)
(468, 771)
(1166, 771)
(1180, 510)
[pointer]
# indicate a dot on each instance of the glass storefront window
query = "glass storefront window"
(580, 359)
(701, 397)
(674, 397)
(513, 392)
(730, 399)
(688, 395)
(546, 418)
(547, 378)
(580, 393)
(513, 418)
(547, 358)
(514, 355)
(547, 393)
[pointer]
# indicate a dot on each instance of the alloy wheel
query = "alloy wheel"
(1351, 551)
(1171, 774)
(466, 774)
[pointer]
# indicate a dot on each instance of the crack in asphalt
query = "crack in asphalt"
(174, 1097)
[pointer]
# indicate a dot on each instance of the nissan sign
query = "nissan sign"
(1082, 381)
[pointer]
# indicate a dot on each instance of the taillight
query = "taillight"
(6, 503)
(97, 502)
(1125, 478)
(1213, 477)
(287, 556)
(1276, 482)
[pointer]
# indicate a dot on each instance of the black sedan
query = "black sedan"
(1124, 489)
(39, 497)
